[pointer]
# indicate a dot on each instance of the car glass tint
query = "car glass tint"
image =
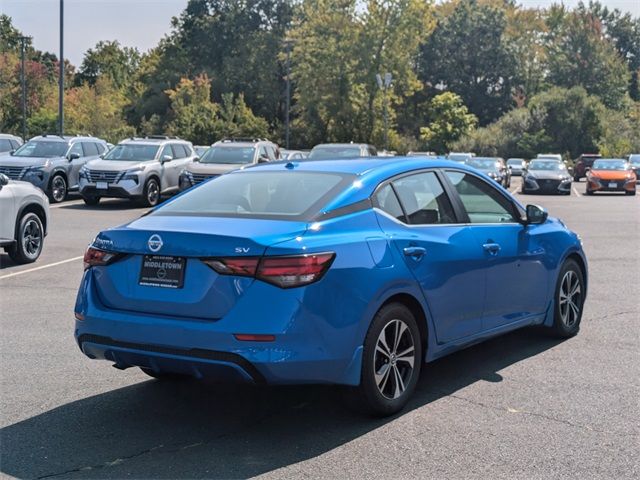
(228, 155)
(77, 148)
(424, 199)
(483, 203)
(323, 153)
(132, 152)
(262, 194)
(90, 149)
(386, 200)
(546, 165)
(178, 151)
(42, 149)
(5, 145)
(610, 165)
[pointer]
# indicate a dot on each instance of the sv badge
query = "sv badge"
(242, 249)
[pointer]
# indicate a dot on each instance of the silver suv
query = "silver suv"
(52, 162)
(227, 155)
(9, 143)
(139, 169)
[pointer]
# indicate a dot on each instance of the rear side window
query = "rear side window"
(386, 200)
(483, 203)
(89, 149)
(424, 200)
(286, 195)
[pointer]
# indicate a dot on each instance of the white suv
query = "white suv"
(24, 219)
(139, 169)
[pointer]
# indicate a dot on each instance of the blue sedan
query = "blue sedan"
(350, 272)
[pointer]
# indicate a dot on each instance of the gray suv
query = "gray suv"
(336, 151)
(52, 162)
(139, 169)
(227, 155)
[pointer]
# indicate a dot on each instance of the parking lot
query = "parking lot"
(519, 406)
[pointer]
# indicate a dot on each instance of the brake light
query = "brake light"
(94, 257)
(283, 271)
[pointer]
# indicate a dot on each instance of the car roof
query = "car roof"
(66, 138)
(321, 145)
(152, 141)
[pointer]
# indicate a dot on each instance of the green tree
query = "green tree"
(110, 60)
(450, 119)
(468, 54)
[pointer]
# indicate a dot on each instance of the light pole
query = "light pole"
(384, 86)
(288, 44)
(61, 78)
(23, 83)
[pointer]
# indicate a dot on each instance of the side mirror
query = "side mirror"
(12, 152)
(536, 215)
(74, 156)
(196, 159)
(3, 180)
(166, 158)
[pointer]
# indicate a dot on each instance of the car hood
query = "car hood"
(548, 175)
(12, 161)
(610, 174)
(116, 165)
(213, 168)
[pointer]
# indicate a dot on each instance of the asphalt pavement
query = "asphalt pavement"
(519, 406)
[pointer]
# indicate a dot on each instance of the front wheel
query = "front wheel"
(632, 192)
(58, 189)
(391, 362)
(29, 240)
(151, 195)
(569, 300)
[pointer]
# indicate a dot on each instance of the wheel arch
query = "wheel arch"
(416, 308)
(30, 208)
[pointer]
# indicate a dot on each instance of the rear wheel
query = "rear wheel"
(29, 239)
(58, 190)
(569, 300)
(391, 362)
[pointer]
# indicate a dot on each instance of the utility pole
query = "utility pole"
(61, 78)
(384, 84)
(288, 44)
(23, 83)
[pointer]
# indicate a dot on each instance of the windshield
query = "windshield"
(483, 163)
(132, 152)
(260, 194)
(323, 153)
(546, 165)
(610, 165)
(230, 155)
(634, 159)
(42, 148)
(515, 161)
(459, 157)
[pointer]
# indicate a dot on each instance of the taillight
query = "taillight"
(283, 271)
(94, 257)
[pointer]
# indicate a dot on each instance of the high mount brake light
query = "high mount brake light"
(94, 257)
(283, 271)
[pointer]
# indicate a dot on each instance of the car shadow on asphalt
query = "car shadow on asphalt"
(196, 430)
(111, 204)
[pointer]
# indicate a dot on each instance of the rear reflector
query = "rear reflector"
(283, 271)
(94, 257)
(246, 337)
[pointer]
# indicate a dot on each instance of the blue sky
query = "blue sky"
(135, 23)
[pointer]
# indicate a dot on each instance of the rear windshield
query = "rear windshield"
(229, 155)
(334, 152)
(281, 195)
(132, 152)
(42, 148)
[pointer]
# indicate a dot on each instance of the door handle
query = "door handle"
(492, 248)
(414, 252)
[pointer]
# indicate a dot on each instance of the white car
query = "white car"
(9, 143)
(24, 217)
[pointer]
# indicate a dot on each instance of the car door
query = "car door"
(516, 277)
(166, 180)
(7, 219)
(175, 166)
(442, 254)
(76, 164)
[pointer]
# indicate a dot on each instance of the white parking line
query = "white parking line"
(75, 202)
(513, 190)
(575, 191)
(42, 267)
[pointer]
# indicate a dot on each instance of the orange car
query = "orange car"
(611, 175)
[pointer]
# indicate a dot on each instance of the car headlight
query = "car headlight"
(83, 172)
(34, 173)
(132, 174)
(565, 179)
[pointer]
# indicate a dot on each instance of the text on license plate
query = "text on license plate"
(162, 271)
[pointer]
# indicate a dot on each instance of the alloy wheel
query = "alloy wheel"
(31, 238)
(570, 298)
(153, 193)
(58, 188)
(393, 361)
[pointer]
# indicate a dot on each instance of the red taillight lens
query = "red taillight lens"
(294, 271)
(240, 266)
(94, 257)
(285, 272)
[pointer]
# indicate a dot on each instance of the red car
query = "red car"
(584, 163)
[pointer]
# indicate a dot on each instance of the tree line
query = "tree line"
(488, 76)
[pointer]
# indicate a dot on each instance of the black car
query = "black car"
(546, 176)
(493, 167)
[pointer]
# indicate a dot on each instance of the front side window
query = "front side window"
(132, 152)
(77, 148)
(42, 148)
(424, 200)
(167, 151)
(90, 149)
(286, 195)
(178, 151)
(483, 203)
(5, 145)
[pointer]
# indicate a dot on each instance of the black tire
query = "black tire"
(589, 192)
(29, 239)
(91, 200)
(58, 188)
(576, 178)
(151, 195)
(568, 306)
(389, 398)
(166, 376)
